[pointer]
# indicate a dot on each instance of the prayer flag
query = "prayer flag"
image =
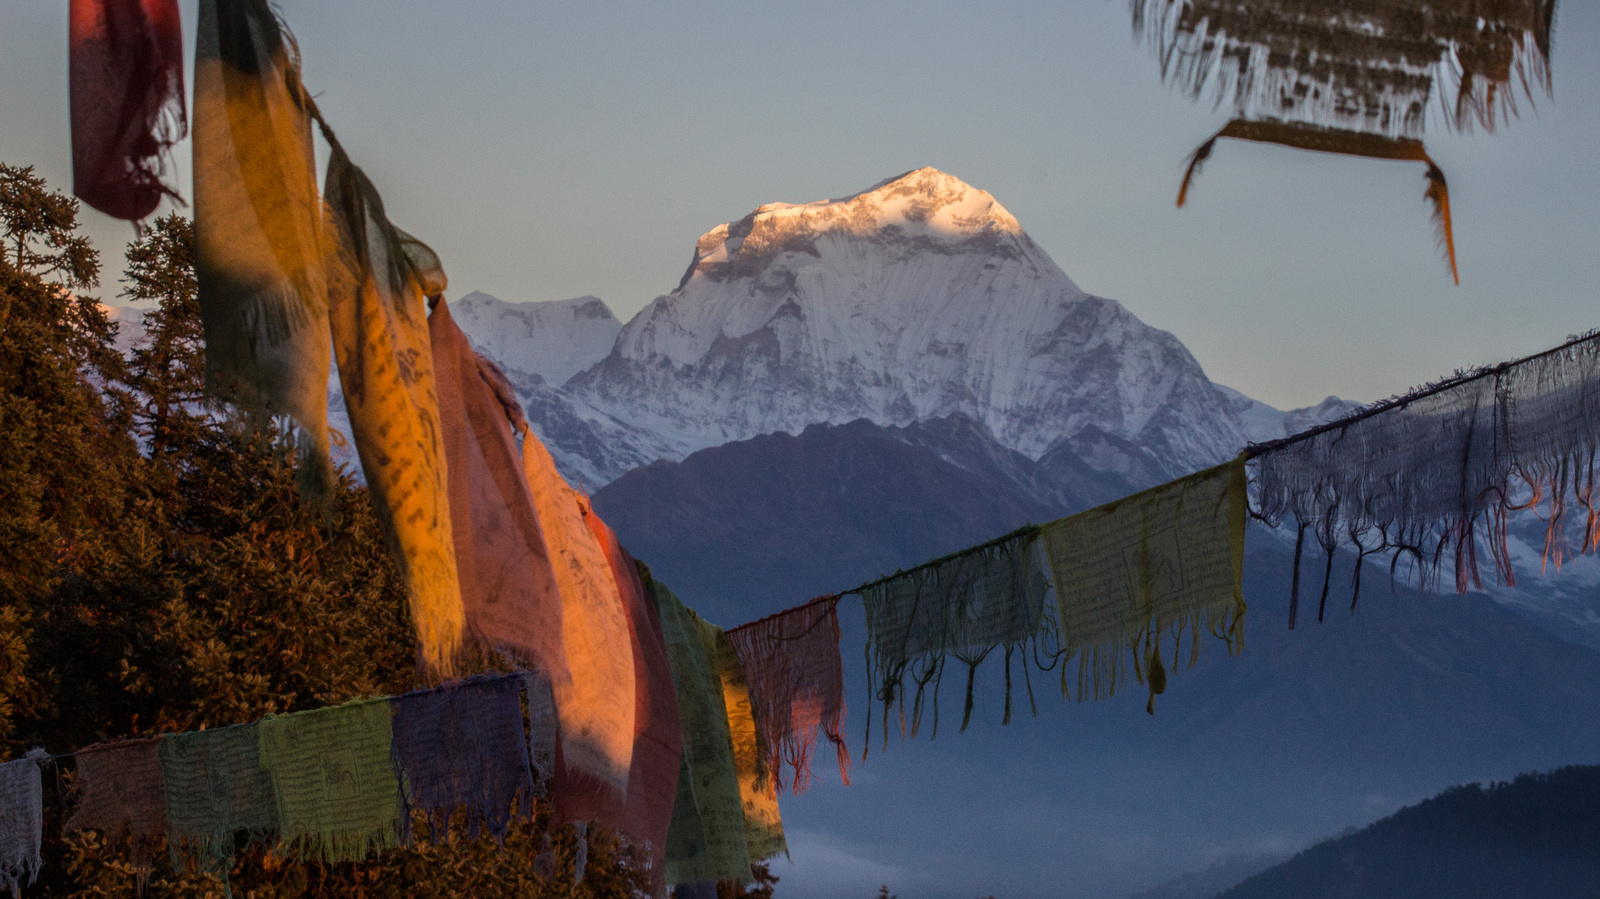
(216, 787)
(377, 278)
(763, 828)
(21, 821)
(796, 679)
(963, 605)
(120, 793)
(1167, 559)
(334, 780)
(658, 735)
(258, 225)
(707, 839)
(508, 587)
(126, 65)
(1432, 476)
(596, 704)
(463, 745)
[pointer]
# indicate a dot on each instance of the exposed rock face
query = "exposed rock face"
(918, 299)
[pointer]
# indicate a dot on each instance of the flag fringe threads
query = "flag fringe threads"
(963, 606)
(796, 680)
(1431, 477)
(1132, 573)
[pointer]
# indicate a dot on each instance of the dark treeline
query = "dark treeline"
(161, 571)
(1537, 836)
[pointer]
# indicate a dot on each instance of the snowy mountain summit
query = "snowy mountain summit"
(919, 298)
(554, 339)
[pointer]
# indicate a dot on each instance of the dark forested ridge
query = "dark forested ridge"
(1536, 836)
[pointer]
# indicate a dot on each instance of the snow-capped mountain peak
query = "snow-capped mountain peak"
(922, 211)
(919, 298)
(554, 339)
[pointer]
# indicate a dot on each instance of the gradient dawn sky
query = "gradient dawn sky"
(554, 150)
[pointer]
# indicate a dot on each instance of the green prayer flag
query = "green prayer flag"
(333, 775)
(215, 787)
(706, 839)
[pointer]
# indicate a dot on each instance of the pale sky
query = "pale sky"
(549, 151)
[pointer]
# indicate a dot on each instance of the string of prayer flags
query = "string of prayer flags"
(21, 821)
(258, 226)
(120, 793)
(763, 828)
(463, 747)
(658, 732)
(334, 780)
(377, 277)
(1165, 560)
(1431, 476)
(215, 789)
(796, 679)
(1553, 427)
(596, 704)
(508, 587)
(706, 840)
(126, 78)
(964, 605)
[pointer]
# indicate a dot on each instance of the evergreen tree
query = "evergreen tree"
(64, 452)
(166, 367)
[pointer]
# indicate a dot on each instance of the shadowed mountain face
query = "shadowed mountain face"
(761, 524)
(1304, 734)
(1537, 836)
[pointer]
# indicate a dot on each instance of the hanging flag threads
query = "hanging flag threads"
(378, 276)
(126, 65)
(796, 679)
(963, 605)
(21, 821)
(333, 776)
(1431, 477)
(463, 746)
(120, 793)
(1161, 562)
(258, 227)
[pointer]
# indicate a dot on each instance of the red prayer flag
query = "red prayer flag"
(126, 64)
